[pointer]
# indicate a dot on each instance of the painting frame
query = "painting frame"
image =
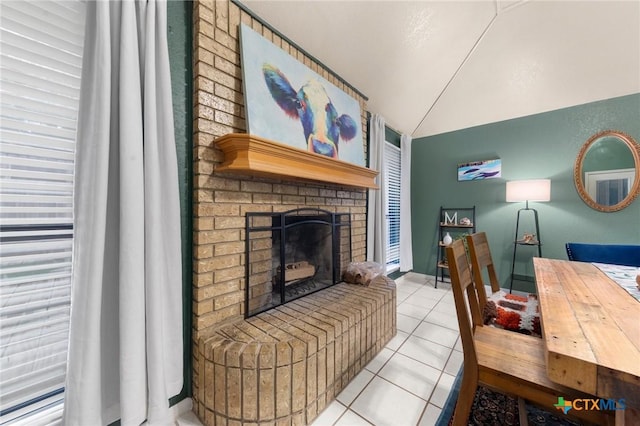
(273, 81)
(480, 170)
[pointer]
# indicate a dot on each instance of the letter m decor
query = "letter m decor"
(451, 220)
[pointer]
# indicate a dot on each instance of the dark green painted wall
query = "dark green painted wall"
(533, 147)
(179, 39)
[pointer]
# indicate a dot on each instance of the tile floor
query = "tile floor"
(408, 382)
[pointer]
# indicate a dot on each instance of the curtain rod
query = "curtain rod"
(288, 40)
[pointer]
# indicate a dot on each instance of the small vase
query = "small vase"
(447, 239)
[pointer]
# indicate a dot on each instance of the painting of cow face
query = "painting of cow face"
(322, 125)
(289, 103)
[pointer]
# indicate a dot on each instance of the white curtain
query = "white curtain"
(376, 214)
(406, 249)
(125, 354)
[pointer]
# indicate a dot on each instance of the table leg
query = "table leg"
(629, 416)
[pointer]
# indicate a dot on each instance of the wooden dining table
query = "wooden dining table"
(591, 331)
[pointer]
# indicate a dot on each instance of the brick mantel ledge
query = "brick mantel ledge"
(253, 155)
(287, 364)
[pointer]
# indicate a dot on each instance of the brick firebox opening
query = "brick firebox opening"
(311, 246)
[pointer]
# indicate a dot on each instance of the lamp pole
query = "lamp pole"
(517, 242)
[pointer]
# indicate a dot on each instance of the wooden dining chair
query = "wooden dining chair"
(507, 362)
(481, 260)
(523, 308)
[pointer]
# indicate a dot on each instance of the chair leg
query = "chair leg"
(522, 412)
(467, 393)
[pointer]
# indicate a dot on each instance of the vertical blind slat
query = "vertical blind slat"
(392, 188)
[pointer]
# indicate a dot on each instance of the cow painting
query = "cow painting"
(322, 125)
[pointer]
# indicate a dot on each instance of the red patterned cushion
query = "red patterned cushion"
(513, 312)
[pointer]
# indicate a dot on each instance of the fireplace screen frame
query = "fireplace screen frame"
(260, 224)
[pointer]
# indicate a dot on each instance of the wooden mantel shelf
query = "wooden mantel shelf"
(245, 153)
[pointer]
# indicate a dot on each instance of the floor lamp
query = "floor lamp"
(527, 190)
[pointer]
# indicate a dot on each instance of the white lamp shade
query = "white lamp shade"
(529, 190)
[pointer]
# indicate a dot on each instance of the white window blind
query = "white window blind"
(392, 188)
(40, 66)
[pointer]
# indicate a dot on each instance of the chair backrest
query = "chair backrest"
(462, 282)
(480, 259)
(615, 254)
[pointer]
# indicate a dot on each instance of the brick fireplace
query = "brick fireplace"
(223, 199)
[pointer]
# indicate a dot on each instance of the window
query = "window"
(609, 187)
(392, 188)
(41, 57)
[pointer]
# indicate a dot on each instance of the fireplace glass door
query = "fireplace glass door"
(292, 254)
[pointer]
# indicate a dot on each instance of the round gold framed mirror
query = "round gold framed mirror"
(607, 171)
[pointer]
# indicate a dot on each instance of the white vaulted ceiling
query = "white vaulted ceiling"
(430, 67)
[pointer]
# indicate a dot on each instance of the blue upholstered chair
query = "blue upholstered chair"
(615, 254)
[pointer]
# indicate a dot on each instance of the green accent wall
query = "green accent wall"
(179, 39)
(533, 147)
